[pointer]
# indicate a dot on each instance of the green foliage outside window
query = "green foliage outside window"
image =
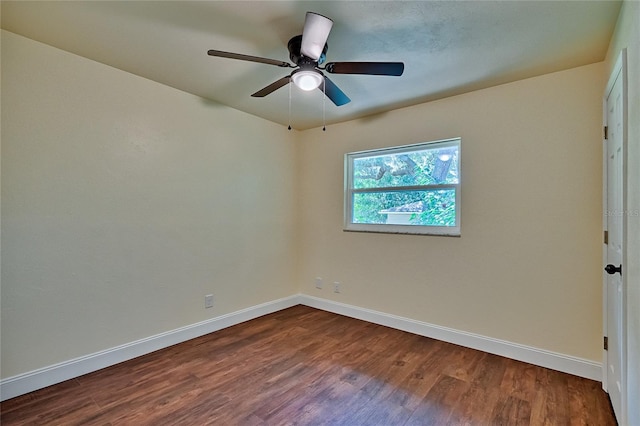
(395, 175)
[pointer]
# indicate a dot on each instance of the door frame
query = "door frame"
(619, 71)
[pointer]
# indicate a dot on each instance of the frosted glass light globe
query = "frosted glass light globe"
(307, 80)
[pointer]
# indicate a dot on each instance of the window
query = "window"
(413, 189)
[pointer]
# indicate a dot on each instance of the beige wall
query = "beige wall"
(124, 202)
(627, 35)
(527, 266)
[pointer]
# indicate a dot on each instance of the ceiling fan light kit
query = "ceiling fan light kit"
(307, 80)
(308, 52)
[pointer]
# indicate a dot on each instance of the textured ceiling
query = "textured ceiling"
(448, 47)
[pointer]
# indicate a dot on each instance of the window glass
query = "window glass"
(409, 189)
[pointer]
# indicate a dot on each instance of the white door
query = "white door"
(615, 224)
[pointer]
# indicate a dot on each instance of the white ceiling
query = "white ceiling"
(448, 47)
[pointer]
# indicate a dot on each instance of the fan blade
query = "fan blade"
(272, 87)
(369, 68)
(315, 34)
(250, 58)
(333, 92)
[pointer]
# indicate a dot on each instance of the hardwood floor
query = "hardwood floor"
(306, 366)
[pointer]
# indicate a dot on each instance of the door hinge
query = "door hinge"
(606, 132)
(606, 237)
(606, 343)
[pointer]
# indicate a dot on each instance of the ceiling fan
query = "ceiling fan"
(308, 52)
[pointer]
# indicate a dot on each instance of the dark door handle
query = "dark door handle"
(612, 269)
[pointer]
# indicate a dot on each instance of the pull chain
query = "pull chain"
(324, 97)
(289, 107)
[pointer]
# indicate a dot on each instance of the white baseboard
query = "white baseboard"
(43, 377)
(47, 376)
(556, 361)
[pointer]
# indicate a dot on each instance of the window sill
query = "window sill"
(404, 229)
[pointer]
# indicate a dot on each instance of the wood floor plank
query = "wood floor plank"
(472, 407)
(304, 366)
(511, 411)
(440, 403)
(583, 394)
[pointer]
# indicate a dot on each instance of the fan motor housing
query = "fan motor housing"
(298, 58)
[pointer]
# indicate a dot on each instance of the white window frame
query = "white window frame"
(453, 231)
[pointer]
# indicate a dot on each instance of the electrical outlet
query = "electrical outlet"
(208, 301)
(318, 282)
(336, 287)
